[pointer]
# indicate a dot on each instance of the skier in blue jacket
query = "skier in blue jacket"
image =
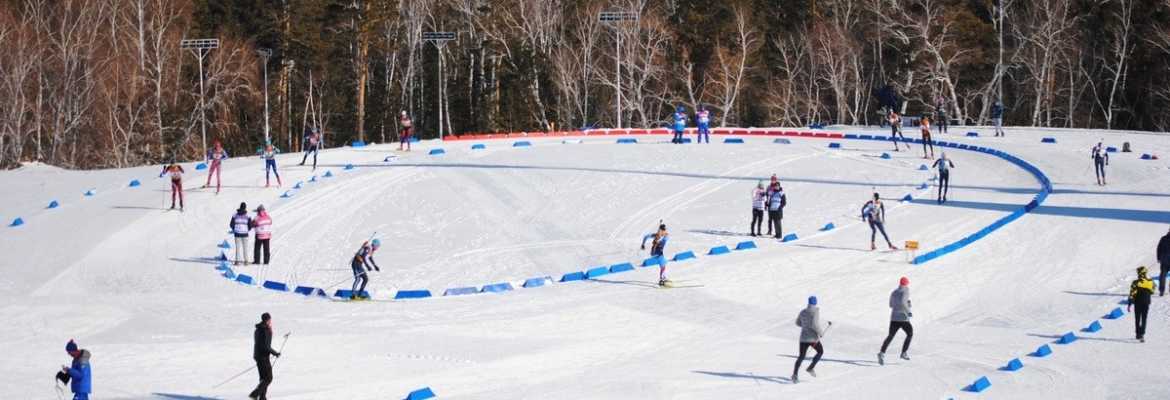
(657, 247)
(680, 125)
(78, 374)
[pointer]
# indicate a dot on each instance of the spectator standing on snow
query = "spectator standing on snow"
(680, 125)
(703, 120)
(1164, 259)
(240, 224)
(874, 212)
(759, 197)
(940, 113)
(997, 117)
(776, 202)
(261, 351)
(899, 319)
(77, 375)
(811, 332)
(262, 224)
(1140, 292)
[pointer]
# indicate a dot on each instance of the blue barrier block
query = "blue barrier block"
(435, 152)
(865, 137)
(686, 140)
(1111, 149)
(328, 174)
(733, 140)
(538, 282)
(414, 139)
(573, 276)
(245, 279)
(972, 134)
(200, 166)
(17, 222)
(623, 267)
(348, 167)
(1147, 157)
(286, 194)
(1067, 338)
(346, 293)
(222, 256)
(460, 291)
(53, 204)
(652, 261)
(412, 294)
(782, 141)
(1093, 327)
(298, 185)
(1042, 351)
(308, 291)
(979, 385)
(923, 186)
(834, 145)
(1115, 314)
(135, 183)
(421, 394)
(627, 140)
(596, 272)
(229, 274)
(850, 136)
(522, 143)
(1048, 140)
(963, 146)
(907, 198)
(278, 286)
(886, 156)
(223, 266)
(496, 288)
(745, 245)
(788, 238)
(879, 138)
(828, 227)
(686, 255)
(949, 144)
(357, 143)
(923, 167)
(90, 193)
(224, 245)
(478, 146)
(313, 178)
(717, 250)
(1014, 365)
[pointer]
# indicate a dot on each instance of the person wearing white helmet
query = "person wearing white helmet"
(363, 263)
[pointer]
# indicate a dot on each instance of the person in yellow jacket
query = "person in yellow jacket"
(1140, 292)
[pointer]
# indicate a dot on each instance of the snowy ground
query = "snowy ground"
(134, 283)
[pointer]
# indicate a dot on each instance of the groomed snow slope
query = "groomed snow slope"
(136, 285)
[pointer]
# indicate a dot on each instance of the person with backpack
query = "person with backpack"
(363, 262)
(262, 224)
(1163, 255)
(811, 333)
(703, 120)
(759, 197)
(78, 374)
(215, 156)
(944, 166)
(896, 129)
(261, 351)
(899, 320)
(312, 143)
(657, 249)
(240, 225)
(776, 202)
(176, 172)
(1100, 160)
(874, 212)
(1140, 292)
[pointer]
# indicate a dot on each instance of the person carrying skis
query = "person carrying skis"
(77, 375)
(311, 144)
(269, 155)
(703, 119)
(657, 247)
(1100, 160)
(896, 129)
(997, 118)
(944, 166)
(261, 351)
(262, 224)
(1163, 254)
(874, 212)
(680, 125)
(899, 319)
(1140, 292)
(215, 156)
(363, 263)
(759, 197)
(811, 332)
(776, 202)
(926, 141)
(176, 172)
(240, 224)
(405, 134)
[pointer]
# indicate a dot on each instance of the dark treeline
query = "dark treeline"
(103, 83)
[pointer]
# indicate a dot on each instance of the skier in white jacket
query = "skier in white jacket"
(899, 319)
(811, 332)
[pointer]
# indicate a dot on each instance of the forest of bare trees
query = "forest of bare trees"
(103, 83)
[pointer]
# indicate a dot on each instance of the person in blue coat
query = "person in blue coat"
(680, 125)
(78, 374)
(703, 120)
(997, 117)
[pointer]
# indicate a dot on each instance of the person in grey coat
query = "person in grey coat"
(899, 319)
(811, 332)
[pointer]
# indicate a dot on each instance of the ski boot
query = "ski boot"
(811, 372)
(795, 379)
(905, 356)
(881, 358)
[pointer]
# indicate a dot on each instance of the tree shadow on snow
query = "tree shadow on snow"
(172, 396)
(859, 363)
(749, 375)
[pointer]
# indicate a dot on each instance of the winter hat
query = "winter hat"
(376, 243)
(265, 317)
(243, 207)
(681, 109)
(812, 300)
(260, 208)
(876, 196)
(1142, 271)
(760, 184)
(71, 346)
(904, 281)
(662, 227)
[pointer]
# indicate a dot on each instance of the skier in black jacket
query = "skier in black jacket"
(260, 352)
(1164, 259)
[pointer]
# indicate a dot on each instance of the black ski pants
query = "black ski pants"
(264, 367)
(895, 326)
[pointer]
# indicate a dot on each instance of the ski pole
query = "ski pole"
(254, 367)
(281, 350)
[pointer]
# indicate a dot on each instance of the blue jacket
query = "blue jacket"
(680, 122)
(80, 378)
(997, 111)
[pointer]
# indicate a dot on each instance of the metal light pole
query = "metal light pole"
(265, 53)
(200, 48)
(290, 64)
(439, 39)
(611, 18)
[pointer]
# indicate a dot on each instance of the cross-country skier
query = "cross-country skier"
(240, 224)
(680, 125)
(759, 197)
(926, 141)
(176, 172)
(215, 156)
(269, 155)
(874, 212)
(1100, 160)
(997, 117)
(703, 120)
(1140, 292)
(77, 375)
(776, 202)
(811, 332)
(404, 136)
(896, 129)
(312, 145)
(944, 166)
(657, 248)
(263, 227)
(261, 350)
(899, 319)
(940, 113)
(1164, 259)
(363, 263)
